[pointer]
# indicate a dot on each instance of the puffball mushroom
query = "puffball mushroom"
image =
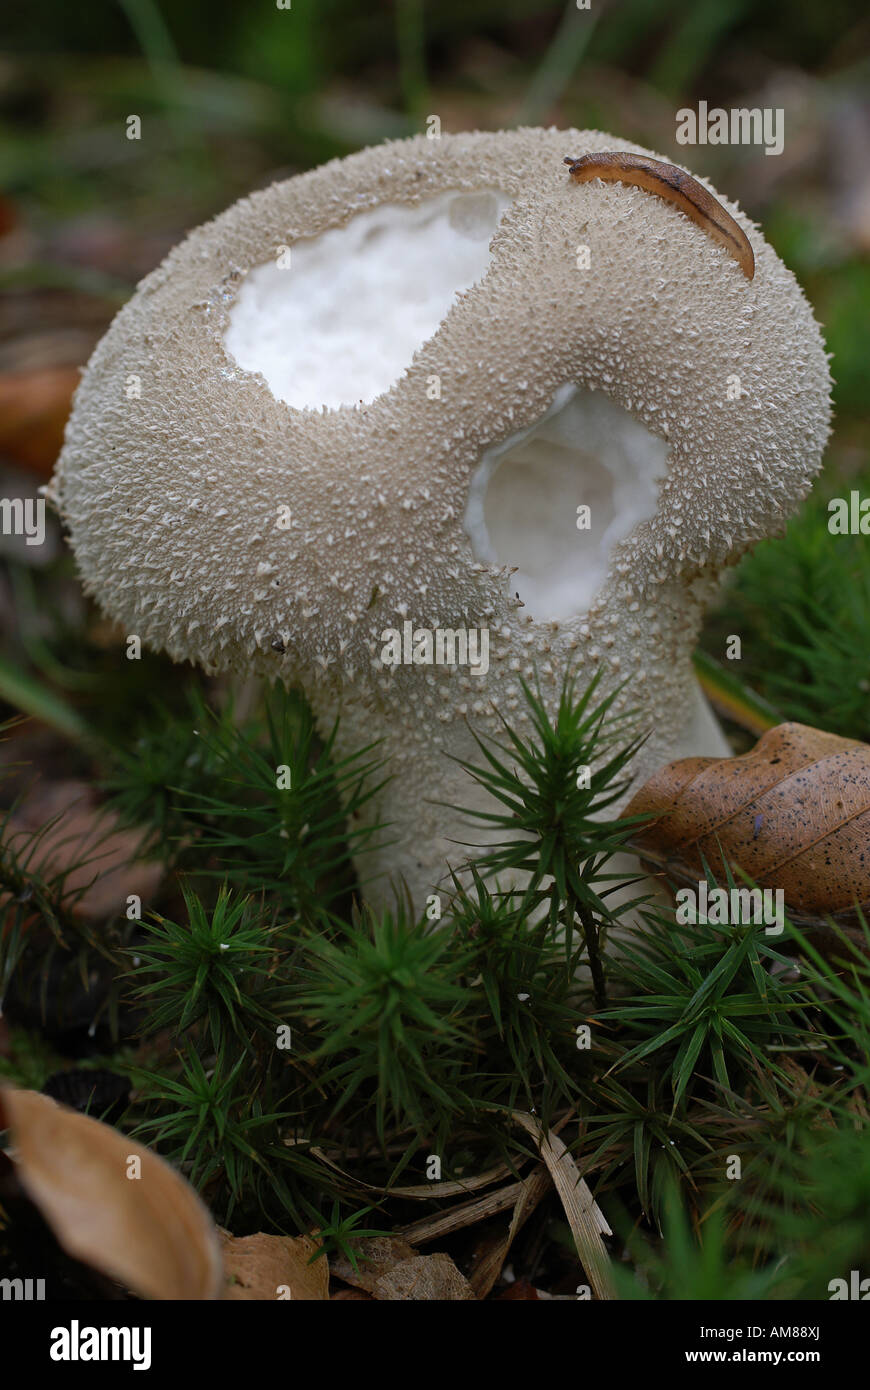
(369, 406)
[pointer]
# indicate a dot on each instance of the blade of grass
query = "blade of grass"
(732, 699)
(31, 698)
(559, 64)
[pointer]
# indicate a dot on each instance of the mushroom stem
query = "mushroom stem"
(421, 834)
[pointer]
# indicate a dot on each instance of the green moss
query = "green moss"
(31, 1059)
(801, 607)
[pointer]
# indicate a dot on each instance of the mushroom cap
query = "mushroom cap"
(171, 498)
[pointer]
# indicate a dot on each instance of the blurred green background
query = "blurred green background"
(234, 95)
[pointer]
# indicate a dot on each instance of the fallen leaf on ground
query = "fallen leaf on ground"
(583, 1213)
(59, 829)
(34, 406)
(391, 1270)
(424, 1278)
(374, 1256)
(491, 1255)
(110, 1202)
(269, 1268)
(793, 813)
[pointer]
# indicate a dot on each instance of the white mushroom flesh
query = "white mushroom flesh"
(552, 500)
(336, 319)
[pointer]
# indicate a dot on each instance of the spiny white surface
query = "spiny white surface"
(523, 499)
(340, 319)
(173, 498)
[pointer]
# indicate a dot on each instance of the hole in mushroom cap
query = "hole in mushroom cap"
(341, 323)
(522, 510)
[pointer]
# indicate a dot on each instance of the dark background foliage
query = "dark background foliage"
(480, 1019)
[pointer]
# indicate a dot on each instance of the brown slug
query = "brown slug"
(674, 185)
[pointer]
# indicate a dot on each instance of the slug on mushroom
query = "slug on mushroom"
(677, 187)
(433, 418)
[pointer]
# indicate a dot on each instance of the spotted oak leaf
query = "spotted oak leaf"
(792, 814)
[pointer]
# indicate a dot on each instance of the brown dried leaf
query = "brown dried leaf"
(424, 1279)
(34, 406)
(376, 1255)
(391, 1270)
(491, 1256)
(793, 813)
(456, 1218)
(267, 1268)
(151, 1232)
(423, 1192)
(59, 829)
(583, 1214)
